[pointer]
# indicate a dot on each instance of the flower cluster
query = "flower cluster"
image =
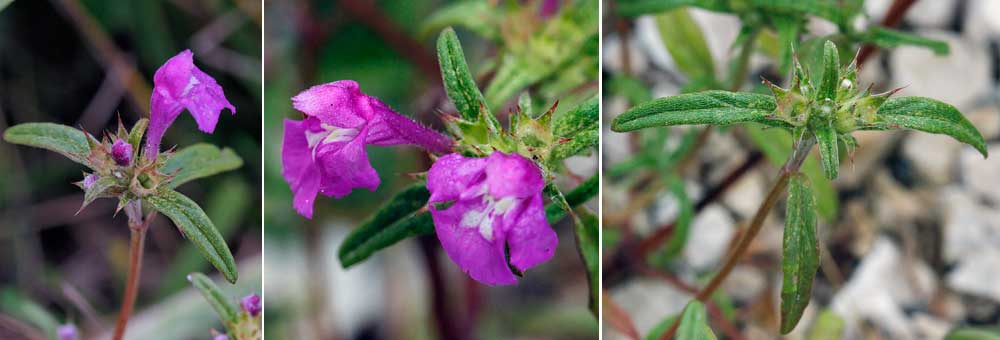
(482, 207)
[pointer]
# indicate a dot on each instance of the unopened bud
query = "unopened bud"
(121, 152)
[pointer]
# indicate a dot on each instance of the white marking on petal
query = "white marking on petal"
(483, 219)
(329, 134)
(190, 85)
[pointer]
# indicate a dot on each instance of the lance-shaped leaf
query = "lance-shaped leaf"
(399, 218)
(929, 115)
(693, 324)
(223, 306)
(829, 154)
(458, 81)
(135, 136)
(478, 16)
(588, 247)
(195, 225)
(684, 40)
(831, 75)
(800, 252)
(837, 11)
(709, 107)
(775, 144)
(576, 129)
(63, 139)
(890, 38)
(197, 161)
(974, 333)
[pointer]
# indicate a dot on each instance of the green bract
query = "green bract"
(142, 180)
(822, 107)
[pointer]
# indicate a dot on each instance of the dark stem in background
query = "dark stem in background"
(802, 149)
(137, 228)
(316, 284)
(446, 322)
(892, 19)
(407, 47)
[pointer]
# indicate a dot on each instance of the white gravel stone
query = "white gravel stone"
(977, 275)
(981, 19)
(648, 37)
(936, 13)
(958, 78)
(648, 301)
(982, 176)
(709, 237)
(968, 226)
(932, 155)
(746, 195)
(880, 288)
(613, 59)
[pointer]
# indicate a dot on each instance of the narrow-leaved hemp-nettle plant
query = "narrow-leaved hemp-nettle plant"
(143, 179)
(484, 195)
(821, 111)
(242, 320)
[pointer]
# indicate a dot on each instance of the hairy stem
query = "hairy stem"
(137, 228)
(792, 165)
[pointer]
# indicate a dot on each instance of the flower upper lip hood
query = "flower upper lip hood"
(179, 85)
(325, 152)
(487, 208)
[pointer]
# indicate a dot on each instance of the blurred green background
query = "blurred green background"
(410, 290)
(56, 65)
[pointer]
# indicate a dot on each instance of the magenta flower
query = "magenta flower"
(548, 8)
(483, 208)
(221, 337)
(179, 85)
(325, 152)
(121, 152)
(251, 304)
(89, 180)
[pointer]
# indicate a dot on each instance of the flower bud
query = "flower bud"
(251, 304)
(67, 332)
(121, 152)
(90, 180)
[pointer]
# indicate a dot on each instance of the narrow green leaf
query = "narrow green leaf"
(199, 160)
(826, 138)
(929, 115)
(101, 188)
(399, 218)
(776, 144)
(588, 247)
(685, 41)
(800, 252)
(577, 128)
(633, 8)
(458, 81)
(14, 303)
(974, 333)
(477, 15)
(694, 325)
(682, 225)
(63, 139)
(890, 38)
(831, 73)
(828, 326)
(223, 306)
(195, 226)
(135, 136)
(709, 107)
(629, 87)
(837, 11)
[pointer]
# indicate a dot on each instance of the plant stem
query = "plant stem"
(792, 165)
(137, 228)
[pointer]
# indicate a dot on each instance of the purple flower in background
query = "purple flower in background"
(67, 332)
(179, 85)
(221, 337)
(325, 152)
(251, 304)
(121, 152)
(548, 8)
(484, 207)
